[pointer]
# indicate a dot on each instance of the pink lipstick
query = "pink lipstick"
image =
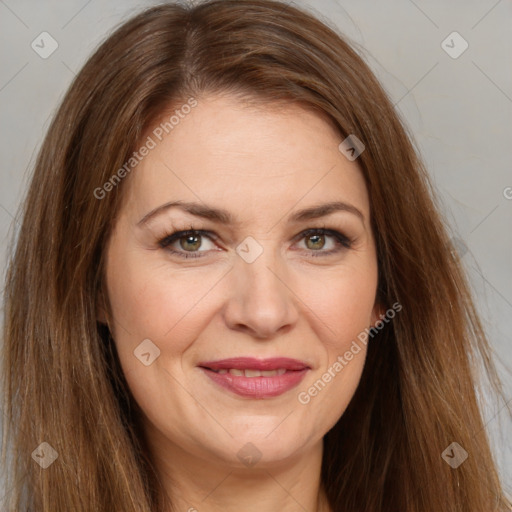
(256, 378)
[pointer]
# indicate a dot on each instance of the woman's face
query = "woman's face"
(255, 294)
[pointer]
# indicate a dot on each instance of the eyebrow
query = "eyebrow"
(222, 216)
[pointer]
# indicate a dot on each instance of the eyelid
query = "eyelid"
(343, 241)
(182, 233)
(324, 231)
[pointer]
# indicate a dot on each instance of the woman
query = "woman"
(232, 288)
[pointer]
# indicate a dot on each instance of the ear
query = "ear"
(378, 312)
(102, 315)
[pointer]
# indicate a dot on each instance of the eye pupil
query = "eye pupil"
(317, 237)
(190, 242)
(188, 239)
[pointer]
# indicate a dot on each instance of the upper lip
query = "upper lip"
(251, 363)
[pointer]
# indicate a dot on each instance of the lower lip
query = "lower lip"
(257, 387)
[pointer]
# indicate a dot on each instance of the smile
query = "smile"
(254, 378)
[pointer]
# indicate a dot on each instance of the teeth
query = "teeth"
(271, 373)
(253, 373)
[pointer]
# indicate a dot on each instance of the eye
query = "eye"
(315, 241)
(191, 240)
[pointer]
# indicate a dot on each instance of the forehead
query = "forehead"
(248, 159)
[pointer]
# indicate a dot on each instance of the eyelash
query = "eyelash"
(342, 241)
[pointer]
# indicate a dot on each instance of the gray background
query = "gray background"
(459, 111)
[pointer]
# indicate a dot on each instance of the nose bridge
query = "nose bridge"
(259, 300)
(259, 267)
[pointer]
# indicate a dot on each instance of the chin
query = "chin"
(260, 448)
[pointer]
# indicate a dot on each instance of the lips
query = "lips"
(256, 378)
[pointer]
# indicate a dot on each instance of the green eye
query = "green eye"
(190, 241)
(315, 240)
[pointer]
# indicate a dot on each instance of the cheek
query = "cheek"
(151, 300)
(343, 303)
(331, 392)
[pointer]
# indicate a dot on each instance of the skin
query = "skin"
(262, 165)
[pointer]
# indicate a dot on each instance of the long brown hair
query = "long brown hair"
(63, 382)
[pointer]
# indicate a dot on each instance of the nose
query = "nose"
(261, 301)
